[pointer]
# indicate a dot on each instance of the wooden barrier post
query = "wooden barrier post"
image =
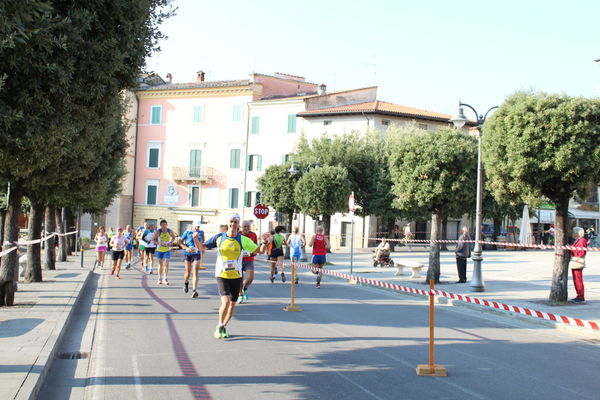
(293, 306)
(431, 369)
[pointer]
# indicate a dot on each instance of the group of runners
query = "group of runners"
(236, 246)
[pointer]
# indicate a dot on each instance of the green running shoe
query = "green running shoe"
(224, 334)
(245, 294)
(219, 332)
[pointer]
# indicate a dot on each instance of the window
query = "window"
(423, 126)
(155, 115)
(327, 122)
(194, 195)
(198, 114)
(151, 221)
(385, 122)
(255, 125)
(285, 158)
(153, 155)
(234, 158)
(292, 123)
(233, 197)
(237, 113)
(195, 163)
(151, 192)
(248, 199)
(253, 162)
(184, 226)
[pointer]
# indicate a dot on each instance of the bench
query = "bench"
(415, 266)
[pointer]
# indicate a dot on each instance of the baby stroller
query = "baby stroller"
(384, 260)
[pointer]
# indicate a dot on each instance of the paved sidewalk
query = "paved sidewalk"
(31, 329)
(520, 278)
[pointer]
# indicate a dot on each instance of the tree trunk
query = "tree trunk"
(2, 222)
(327, 229)
(49, 248)
(33, 271)
(433, 271)
(62, 240)
(560, 270)
(443, 246)
(70, 239)
(497, 228)
(9, 266)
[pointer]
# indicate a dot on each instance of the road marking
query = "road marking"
(358, 386)
(136, 378)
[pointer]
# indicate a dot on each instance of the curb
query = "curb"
(30, 388)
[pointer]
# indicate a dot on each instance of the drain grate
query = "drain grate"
(76, 355)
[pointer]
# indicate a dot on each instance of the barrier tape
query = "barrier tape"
(15, 245)
(488, 303)
(532, 246)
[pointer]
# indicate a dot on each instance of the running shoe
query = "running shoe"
(245, 294)
(296, 279)
(128, 266)
(159, 281)
(240, 299)
(165, 281)
(194, 294)
(219, 332)
(272, 279)
(112, 271)
(150, 271)
(318, 286)
(224, 334)
(282, 277)
(117, 276)
(186, 287)
(578, 301)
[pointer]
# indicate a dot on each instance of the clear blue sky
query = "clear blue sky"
(426, 54)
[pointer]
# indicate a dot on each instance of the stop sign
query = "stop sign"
(261, 211)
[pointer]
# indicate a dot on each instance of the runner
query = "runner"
(101, 246)
(191, 241)
(118, 244)
(247, 262)
(276, 254)
(149, 247)
(138, 235)
(228, 268)
(163, 238)
(320, 245)
(129, 248)
(296, 243)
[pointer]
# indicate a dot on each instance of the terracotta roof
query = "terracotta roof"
(378, 107)
(196, 85)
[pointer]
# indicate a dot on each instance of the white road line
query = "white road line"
(136, 378)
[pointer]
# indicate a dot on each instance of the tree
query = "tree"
(434, 171)
(540, 144)
(323, 191)
(276, 188)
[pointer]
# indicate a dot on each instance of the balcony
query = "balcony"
(193, 175)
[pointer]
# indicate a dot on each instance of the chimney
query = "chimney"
(200, 76)
(169, 77)
(322, 89)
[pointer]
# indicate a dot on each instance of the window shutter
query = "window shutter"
(255, 125)
(195, 162)
(155, 118)
(248, 165)
(198, 114)
(258, 163)
(233, 197)
(234, 158)
(153, 158)
(291, 123)
(151, 194)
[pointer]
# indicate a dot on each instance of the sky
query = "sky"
(426, 54)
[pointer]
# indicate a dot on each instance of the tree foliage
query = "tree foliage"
(544, 145)
(276, 188)
(433, 171)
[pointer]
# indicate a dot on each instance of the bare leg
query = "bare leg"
(226, 310)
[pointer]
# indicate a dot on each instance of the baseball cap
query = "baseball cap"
(197, 223)
(234, 217)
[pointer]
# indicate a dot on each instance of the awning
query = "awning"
(547, 216)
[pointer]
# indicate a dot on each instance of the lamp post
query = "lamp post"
(459, 121)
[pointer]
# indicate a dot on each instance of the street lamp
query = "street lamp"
(459, 121)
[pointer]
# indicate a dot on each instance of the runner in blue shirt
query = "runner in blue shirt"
(192, 240)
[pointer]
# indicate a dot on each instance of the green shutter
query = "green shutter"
(194, 196)
(248, 165)
(233, 198)
(237, 113)
(234, 158)
(153, 158)
(195, 162)
(198, 114)
(259, 163)
(155, 115)
(291, 123)
(247, 199)
(151, 194)
(255, 125)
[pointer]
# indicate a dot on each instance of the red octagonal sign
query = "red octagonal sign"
(261, 211)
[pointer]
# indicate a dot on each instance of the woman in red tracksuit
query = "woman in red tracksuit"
(577, 263)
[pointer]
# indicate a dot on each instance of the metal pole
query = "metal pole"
(352, 242)
(477, 280)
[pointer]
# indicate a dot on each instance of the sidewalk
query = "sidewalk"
(31, 329)
(519, 278)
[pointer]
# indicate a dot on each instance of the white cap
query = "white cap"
(197, 223)
(234, 217)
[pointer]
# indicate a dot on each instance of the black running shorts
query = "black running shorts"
(229, 287)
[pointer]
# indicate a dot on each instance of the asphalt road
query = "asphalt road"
(149, 341)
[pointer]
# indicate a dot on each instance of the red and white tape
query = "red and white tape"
(14, 245)
(487, 303)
